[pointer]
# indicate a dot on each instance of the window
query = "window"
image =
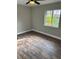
(52, 18)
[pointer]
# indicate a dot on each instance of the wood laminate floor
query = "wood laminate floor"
(34, 45)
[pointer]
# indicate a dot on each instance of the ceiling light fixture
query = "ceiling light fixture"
(32, 2)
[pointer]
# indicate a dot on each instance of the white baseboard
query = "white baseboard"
(41, 33)
(47, 34)
(24, 32)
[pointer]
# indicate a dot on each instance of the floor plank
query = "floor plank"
(34, 45)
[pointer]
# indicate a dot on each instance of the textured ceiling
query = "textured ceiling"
(23, 2)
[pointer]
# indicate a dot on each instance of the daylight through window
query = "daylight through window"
(52, 18)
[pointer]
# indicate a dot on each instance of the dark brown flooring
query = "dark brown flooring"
(34, 45)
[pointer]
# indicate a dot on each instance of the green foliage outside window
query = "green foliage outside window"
(52, 18)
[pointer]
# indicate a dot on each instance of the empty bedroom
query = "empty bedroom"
(38, 29)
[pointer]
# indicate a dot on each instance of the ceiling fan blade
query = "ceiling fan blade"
(37, 2)
(28, 2)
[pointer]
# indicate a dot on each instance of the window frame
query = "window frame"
(52, 16)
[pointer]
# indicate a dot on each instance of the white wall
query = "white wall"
(38, 19)
(23, 18)
(33, 18)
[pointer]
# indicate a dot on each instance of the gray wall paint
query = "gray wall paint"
(38, 19)
(33, 18)
(23, 18)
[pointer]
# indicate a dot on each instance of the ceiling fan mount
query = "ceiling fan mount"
(33, 2)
